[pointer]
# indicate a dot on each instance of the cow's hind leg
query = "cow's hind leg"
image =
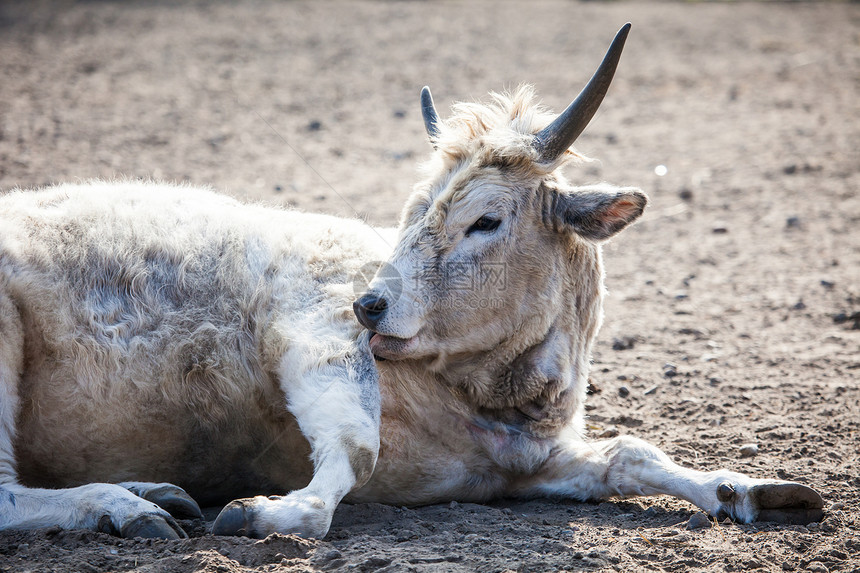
(627, 466)
(99, 506)
(104, 507)
(336, 403)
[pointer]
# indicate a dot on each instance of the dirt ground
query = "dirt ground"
(734, 315)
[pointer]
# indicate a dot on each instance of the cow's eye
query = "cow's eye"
(484, 225)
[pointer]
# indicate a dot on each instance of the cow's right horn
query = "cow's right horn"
(558, 136)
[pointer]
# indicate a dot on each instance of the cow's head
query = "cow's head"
(498, 256)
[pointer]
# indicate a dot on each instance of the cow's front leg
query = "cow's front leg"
(336, 403)
(627, 466)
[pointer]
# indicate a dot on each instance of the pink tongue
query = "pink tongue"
(375, 340)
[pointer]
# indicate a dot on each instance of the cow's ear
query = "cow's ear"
(596, 212)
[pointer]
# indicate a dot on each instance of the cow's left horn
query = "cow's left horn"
(428, 110)
(558, 136)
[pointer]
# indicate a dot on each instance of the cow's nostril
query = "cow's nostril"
(375, 304)
(369, 309)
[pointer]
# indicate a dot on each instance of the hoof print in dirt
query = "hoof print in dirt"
(790, 503)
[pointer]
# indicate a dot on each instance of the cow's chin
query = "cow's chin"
(391, 347)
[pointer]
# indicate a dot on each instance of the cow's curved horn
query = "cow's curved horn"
(558, 136)
(428, 110)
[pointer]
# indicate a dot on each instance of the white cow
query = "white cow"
(153, 335)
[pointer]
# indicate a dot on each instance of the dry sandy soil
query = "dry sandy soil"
(734, 314)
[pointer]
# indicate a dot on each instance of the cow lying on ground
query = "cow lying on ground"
(153, 335)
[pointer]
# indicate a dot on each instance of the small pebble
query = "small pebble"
(829, 525)
(623, 343)
(373, 563)
(623, 391)
(844, 317)
(609, 432)
(748, 450)
(650, 391)
(698, 521)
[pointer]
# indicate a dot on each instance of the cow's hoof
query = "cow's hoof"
(760, 500)
(298, 513)
(168, 497)
(234, 519)
(787, 502)
(152, 526)
(174, 501)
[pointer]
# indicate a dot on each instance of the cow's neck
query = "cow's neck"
(490, 380)
(533, 384)
(538, 382)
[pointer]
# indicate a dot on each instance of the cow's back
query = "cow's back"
(153, 319)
